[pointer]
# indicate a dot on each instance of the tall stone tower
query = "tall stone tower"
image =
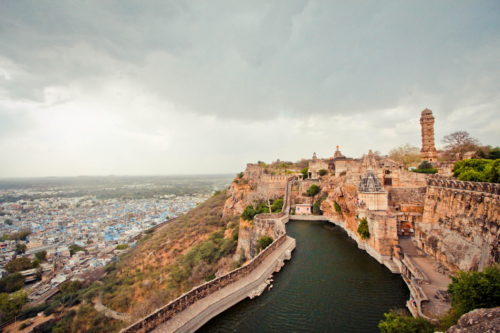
(428, 151)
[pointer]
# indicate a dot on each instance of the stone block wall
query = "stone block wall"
(461, 223)
(181, 303)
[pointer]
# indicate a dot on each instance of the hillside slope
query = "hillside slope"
(184, 253)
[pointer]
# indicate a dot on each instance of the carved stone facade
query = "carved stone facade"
(428, 151)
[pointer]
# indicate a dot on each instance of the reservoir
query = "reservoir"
(330, 285)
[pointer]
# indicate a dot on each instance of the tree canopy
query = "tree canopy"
(478, 170)
(264, 242)
(313, 190)
(398, 323)
(473, 290)
(18, 264)
(458, 143)
(406, 154)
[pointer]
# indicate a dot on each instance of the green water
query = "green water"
(329, 286)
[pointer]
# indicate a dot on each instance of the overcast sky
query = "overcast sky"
(178, 87)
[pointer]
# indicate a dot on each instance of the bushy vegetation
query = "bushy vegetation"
(264, 242)
(323, 172)
(122, 247)
(201, 259)
(260, 208)
(18, 264)
(425, 167)
(337, 207)
(363, 229)
(478, 170)
(472, 290)
(11, 304)
(316, 208)
(277, 205)
(305, 173)
(398, 322)
(41, 256)
(11, 283)
(16, 236)
(74, 248)
(313, 190)
(489, 152)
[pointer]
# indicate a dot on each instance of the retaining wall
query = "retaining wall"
(168, 311)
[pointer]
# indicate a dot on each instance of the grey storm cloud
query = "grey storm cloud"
(361, 65)
(261, 59)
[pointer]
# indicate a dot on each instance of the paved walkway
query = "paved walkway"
(203, 310)
(437, 283)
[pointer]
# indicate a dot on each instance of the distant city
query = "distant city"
(70, 227)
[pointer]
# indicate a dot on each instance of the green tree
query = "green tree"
(425, 165)
(479, 170)
(398, 323)
(248, 213)
(363, 229)
(18, 264)
(305, 173)
(322, 172)
(406, 154)
(472, 290)
(489, 152)
(316, 209)
(20, 248)
(122, 247)
(313, 190)
(70, 287)
(338, 209)
(41, 256)
(11, 283)
(264, 242)
(277, 205)
(11, 305)
(73, 248)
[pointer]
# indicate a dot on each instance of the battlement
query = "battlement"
(441, 181)
(275, 178)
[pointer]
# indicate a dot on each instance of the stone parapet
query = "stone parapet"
(181, 303)
(441, 181)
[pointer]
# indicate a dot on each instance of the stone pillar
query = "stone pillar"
(428, 151)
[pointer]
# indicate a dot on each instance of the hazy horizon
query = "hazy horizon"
(190, 87)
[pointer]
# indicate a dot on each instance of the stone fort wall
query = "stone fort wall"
(171, 309)
(461, 223)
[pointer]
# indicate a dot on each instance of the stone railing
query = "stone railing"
(441, 181)
(166, 312)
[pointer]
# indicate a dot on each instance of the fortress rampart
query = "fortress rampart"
(181, 303)
(461, 223)
(445, 182)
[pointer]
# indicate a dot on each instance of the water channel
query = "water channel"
(329, 286)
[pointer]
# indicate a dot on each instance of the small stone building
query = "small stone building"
(315, 166)
(371, 194)
(303, 209)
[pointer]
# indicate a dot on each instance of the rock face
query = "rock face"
(478, 321)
